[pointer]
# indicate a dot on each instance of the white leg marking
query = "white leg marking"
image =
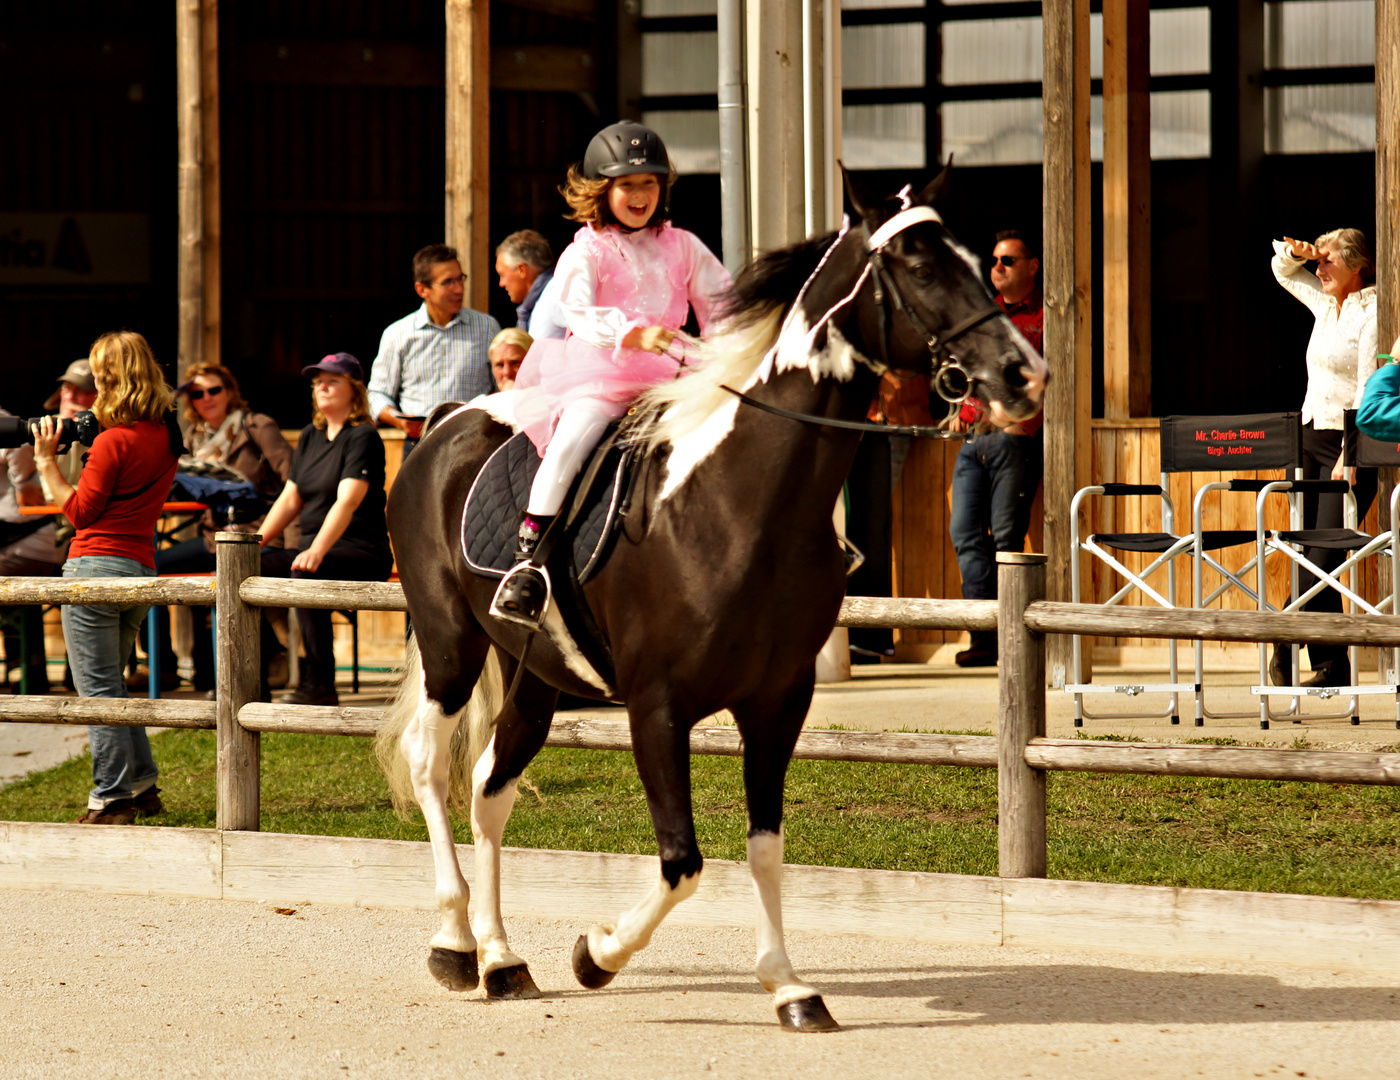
(489, 814)
(773, 969)
(426, 746)
(611, 947)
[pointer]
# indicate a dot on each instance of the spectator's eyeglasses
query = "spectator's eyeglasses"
(213, 391)
(1009, 260)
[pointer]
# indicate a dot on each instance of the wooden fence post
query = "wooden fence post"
(239, 680)
(1020, 717)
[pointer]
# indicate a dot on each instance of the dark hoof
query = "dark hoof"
(589, 974)
(455, 970)
(806, 1014)
(511, 984)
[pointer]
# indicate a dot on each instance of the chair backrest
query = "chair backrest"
(1232, 443)
(1365, 451)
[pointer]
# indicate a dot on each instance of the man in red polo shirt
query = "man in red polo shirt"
(997, 472)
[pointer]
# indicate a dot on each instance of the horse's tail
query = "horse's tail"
(469, 738)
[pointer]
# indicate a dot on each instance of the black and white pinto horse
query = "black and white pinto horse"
(719, 593)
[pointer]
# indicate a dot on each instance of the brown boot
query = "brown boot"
(981, 651)
(118, 812)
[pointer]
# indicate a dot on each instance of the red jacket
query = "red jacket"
(122, 460)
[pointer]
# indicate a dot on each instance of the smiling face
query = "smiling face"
(212, 404)
(1338, 280)
(444, 292)
(634, 199)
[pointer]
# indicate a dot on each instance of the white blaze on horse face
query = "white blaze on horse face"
(426, 745)
(773, 969)
(573, 657)
(489, 816)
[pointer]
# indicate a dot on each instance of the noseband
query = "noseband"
(951, 380)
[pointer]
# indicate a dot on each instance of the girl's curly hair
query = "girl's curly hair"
(588, 199)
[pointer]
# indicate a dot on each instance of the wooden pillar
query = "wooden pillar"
(468, 188)
(1020, 717)
(1066, 270)
(197, 93)
(1387, 221)
(776, 174)
(1127, 211)
(239, 680)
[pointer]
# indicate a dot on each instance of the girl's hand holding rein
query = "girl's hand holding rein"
(654, 339)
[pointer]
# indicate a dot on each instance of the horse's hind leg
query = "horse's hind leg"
(661, 745)
(770, 734)
(519, 734)
(426, 745)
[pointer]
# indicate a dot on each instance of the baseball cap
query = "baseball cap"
(79, 373)
(341, 363)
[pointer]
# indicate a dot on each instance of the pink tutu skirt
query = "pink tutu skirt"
(556, 373)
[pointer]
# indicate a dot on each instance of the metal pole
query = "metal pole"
(1021, 717)
(733, 140)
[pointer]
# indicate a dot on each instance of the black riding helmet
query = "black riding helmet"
(625, 148)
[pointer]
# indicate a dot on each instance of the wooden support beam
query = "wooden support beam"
(776, 176)
(1067, 270)
(1387, 223)
(212, 294)
(1127, 210)
(469, 143)
(189, 65)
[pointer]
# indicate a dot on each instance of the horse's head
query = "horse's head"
(925, 309)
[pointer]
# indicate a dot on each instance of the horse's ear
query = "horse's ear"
(859, 199)
(937, 189)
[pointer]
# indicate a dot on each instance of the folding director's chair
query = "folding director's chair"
(1187, 444)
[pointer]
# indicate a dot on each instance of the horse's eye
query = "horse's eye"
(921, 271)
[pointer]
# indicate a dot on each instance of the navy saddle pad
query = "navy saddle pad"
(491, 516)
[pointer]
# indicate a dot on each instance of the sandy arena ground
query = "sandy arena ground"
(98, 986)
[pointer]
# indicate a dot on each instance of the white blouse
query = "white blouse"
(1342, 349)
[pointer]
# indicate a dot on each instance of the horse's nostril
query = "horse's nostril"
(1014, 375)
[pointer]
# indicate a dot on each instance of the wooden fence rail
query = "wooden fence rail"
(1020, 751)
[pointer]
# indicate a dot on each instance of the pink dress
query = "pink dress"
(610, 282)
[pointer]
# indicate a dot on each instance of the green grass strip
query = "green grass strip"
(1324, 839)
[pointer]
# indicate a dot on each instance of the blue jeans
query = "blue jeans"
(99, 641)
(994, 482)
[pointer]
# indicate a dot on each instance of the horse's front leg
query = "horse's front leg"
(661, 745)
(426, 745)
(519, 735)
(770, 734)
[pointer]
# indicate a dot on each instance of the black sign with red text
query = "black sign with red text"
(1231, 443)
(1365, 451)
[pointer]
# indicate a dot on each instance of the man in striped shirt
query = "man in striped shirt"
(437, 354)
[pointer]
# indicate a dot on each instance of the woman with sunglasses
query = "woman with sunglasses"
(223, 429)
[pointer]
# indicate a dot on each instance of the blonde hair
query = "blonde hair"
(1350, 246)
(130, 384)
(511, 335)
(588, 199)
(359, 404)
(225, 376)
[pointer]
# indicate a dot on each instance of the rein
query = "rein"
(916, 430)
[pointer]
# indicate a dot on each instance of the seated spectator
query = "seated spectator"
(508, 349)
(223, 429)
(336, 492)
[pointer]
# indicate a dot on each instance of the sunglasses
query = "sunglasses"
(213, 391)
(1009, 260)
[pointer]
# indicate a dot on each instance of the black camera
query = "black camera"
(83, 428)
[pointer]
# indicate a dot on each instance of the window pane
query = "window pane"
(678, 7)
(1319, 33)
(860, 5)
(1319, 119)
(882, 136)
(691, 138)
(876, 56)
(994, 132)
(1181, 41)
(1181, 125)
(992, 50)
(680, 63)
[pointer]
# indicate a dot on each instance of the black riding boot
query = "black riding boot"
(523, 595)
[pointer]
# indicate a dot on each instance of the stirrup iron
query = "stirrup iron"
(855, 558)
(523, 596)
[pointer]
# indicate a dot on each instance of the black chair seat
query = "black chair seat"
(1327, 539)
(1211, 540)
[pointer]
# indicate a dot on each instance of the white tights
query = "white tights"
(580, 426)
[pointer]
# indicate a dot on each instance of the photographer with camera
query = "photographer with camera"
(114, 509)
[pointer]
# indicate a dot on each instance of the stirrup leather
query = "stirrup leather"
(523, 596)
